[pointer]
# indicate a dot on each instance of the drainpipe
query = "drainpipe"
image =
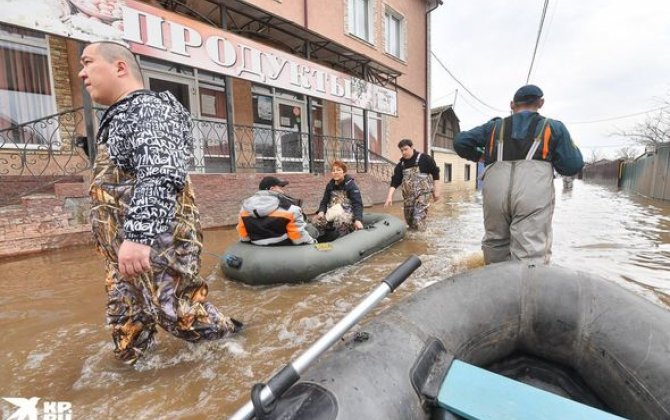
(310, 137)
(230, 112)
(366, 128)
(434, 5)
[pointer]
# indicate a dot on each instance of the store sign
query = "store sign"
(154, 32)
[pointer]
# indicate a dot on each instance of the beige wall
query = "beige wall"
(329, 19)
(333, 25)
(457, 171)
(409, 124)
(292, 10)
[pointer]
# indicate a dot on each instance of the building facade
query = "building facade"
(273, 85)
(457, 173)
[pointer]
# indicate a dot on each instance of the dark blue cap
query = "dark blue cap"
(527, 94)
(270, 181)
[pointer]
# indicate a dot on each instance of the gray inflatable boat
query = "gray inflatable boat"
(257, 265)
(569, 333)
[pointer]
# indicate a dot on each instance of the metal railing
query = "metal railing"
(48, 146)
(266, 150)
(51, 149)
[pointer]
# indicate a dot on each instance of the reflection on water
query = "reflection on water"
(52, 307)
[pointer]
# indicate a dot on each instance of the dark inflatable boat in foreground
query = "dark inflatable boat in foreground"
(569, 333)
(257, 265)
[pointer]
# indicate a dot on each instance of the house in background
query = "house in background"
(456, 172)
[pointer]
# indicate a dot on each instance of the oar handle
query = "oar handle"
(402, 272)
(290, 374)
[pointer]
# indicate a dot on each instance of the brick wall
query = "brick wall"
(45, 221)
(60, 219)
(13, 187)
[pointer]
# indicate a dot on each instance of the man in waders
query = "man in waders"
(144, 217)
(417, 173)
(520, 153)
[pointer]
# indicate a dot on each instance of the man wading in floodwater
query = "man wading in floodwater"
(144, 218)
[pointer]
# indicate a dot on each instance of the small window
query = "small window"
(394, 32)
(351, 122)
(263, 111)
(212, 102)
(466, 175)
(375, 132)
(26, 94)
(360, 23)
(447, 173)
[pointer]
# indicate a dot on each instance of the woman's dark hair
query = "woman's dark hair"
(405, 142)
(339, 164)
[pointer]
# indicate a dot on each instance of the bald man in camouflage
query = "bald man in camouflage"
(144, 217)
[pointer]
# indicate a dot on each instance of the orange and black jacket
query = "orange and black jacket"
(270, 218)
(518, 133)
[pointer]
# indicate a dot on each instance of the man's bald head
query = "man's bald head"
(112, 51)
(109, 72)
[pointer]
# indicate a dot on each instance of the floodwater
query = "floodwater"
(55, 345)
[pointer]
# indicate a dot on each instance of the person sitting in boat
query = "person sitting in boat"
(341, 209)
(270, 217)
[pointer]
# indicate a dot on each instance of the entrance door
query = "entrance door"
(291, 137)
(184, 90)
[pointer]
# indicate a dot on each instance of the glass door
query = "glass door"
(291, 137)
(184, 90)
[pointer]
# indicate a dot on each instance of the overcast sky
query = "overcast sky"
(597, 59)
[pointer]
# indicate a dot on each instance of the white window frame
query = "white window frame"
(448, 170)
(352, 20)
(389, 15)
(41, 47)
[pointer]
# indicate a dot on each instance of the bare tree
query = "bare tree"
(627, 153)
(654, 130)
(595, 156)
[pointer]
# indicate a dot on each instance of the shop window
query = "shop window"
(394, 30)
(212, 128)
(351, 127)
(26, 93)
(466, 175)
(375, 132)
(212, 102)
(318, 140)
(360, 19)
(264, 143)
(351, 122)
(150, 63)
(181, 91)
(262, 108)
(447, 173)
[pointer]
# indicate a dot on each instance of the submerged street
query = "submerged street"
(56, 347)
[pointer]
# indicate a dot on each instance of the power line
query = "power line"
(471, 105)
(462, 85)
(619, 117)
(537, 41)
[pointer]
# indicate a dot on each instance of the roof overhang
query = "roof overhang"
(251, 22)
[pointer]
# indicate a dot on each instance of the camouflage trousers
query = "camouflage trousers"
(417, 189)
(172, 295)
(136, 305)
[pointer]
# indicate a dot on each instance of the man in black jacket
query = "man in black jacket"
(417, 173)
